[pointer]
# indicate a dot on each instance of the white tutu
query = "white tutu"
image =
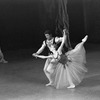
(73, 70)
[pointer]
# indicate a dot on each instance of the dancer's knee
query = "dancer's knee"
(50, 70)
(45, 70)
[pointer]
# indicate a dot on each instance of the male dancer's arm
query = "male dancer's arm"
(41, 48)
(58, 39)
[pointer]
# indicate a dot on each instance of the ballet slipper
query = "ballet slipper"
(85, 38)
(71, 86)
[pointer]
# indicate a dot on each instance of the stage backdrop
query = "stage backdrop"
(23, 22)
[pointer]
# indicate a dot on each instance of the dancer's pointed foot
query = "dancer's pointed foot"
(85, 38)
(71, 86)
(50, 83)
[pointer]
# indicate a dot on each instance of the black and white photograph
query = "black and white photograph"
(49, 49)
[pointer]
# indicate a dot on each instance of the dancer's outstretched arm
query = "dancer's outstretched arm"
(63, 41)
(41, 48)
(42, 56)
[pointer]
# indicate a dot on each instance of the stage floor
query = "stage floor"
(23, 79)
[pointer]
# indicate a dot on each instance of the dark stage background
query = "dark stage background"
(23, 22)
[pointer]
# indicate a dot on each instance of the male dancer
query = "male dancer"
(51, 42)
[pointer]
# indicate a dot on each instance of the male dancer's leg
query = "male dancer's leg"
(47, 73)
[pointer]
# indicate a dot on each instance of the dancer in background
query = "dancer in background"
(2, 60)
(68, 68)
(52, 43)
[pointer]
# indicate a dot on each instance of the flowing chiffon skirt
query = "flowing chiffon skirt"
(73, 70)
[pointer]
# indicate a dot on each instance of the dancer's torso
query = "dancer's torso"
(51, 44)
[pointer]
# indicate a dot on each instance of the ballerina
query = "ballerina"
(69, 68)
